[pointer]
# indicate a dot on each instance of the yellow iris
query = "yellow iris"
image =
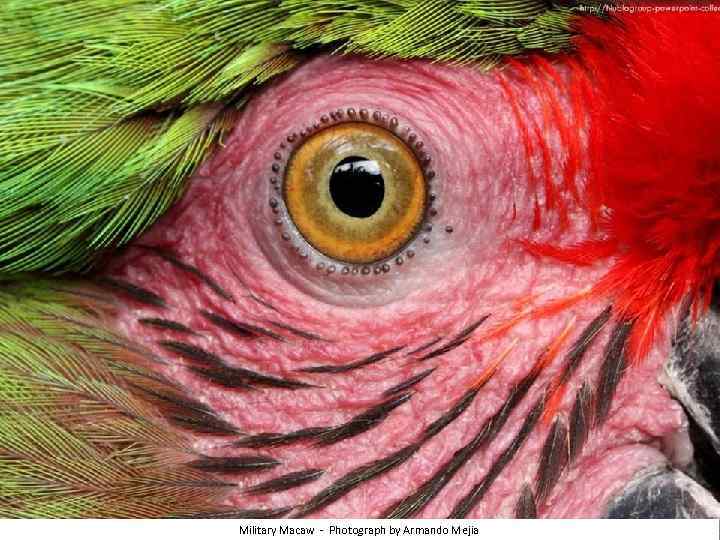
(393, 212)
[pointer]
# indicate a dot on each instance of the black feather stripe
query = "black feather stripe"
(478, 491)
(241, 378)
(373, 469)
(296, 331)
(354, 479)
(173, 259)
(425, 346)
(447, 417)
(197, 355)
(362, 422)
(553, 459)
(241, 513)
(580, 421)
(416, 501)
(233, 465)
(202, 424)
(167, 324)
(286, 482)
(137, 293)
(525, 507)
(456, 342)
(611, 371)
(190, 414)
(578, 349)
(372, 359)
(238, 328)
(262, 440)
(408, 383)
(213, 368)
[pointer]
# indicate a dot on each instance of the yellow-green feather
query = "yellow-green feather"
(78, 435)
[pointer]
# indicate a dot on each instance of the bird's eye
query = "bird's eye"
(355, 192)
(354, 189)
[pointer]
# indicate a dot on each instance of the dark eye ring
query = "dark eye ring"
(353, 193)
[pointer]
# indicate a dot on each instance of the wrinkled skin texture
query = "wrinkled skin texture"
(224, 227)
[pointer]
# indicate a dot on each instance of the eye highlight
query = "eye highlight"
(356, 192)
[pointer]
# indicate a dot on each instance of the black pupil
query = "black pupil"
(357, 187)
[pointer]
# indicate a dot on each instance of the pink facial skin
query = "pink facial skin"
(224, 227)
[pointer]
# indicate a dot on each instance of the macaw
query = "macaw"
(359, 258)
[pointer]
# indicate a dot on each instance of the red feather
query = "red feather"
(654, 177)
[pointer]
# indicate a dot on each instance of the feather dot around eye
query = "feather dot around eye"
(353, 193)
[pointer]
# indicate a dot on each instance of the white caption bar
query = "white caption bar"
(353, 529)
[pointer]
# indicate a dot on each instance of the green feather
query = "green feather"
(107, 107)
(82, 430)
